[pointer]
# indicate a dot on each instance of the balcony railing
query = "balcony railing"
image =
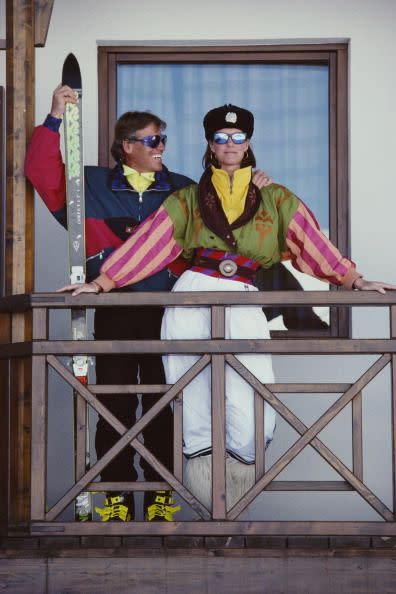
(217, 352)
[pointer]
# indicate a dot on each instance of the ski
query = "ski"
(75, 205)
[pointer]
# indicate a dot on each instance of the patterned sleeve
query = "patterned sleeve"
(313, 253)
(150, 249)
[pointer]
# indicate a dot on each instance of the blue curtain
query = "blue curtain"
(289, 102)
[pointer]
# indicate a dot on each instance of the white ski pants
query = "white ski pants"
(195, 322)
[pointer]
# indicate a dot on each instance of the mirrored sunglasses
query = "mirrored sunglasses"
(150, 141)
(236, 137)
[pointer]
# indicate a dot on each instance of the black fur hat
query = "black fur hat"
(228, 116)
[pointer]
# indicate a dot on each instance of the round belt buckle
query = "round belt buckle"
(228, 267)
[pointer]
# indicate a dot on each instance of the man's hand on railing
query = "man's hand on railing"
(78, 288)
(361, 284)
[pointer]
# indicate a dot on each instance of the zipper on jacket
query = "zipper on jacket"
(98, 255)
(140, 198)
(140, 206)
(140, 193)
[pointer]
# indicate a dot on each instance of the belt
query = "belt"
(225, 265)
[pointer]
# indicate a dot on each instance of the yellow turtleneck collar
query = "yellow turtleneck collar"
(232, 195)
(139, 181)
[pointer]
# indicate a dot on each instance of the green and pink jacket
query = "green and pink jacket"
(275, 226)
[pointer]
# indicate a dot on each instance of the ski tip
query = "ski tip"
(71, 74)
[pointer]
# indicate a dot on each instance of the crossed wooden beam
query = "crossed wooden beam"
(129, 437)
(308, 436)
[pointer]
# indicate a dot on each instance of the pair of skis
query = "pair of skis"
(75, 206)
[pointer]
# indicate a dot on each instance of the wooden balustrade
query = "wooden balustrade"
(217, 352)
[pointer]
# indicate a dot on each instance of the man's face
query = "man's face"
(141, 157)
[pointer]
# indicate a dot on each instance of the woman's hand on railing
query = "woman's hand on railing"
(78, 288)
(362, 284)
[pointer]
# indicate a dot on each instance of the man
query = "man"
(116, 201)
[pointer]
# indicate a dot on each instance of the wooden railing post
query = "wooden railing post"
(4, 436)
(393, 388)
(218, 420)
(259, 435)
(178, 437)
(357, 436)
(39, 419)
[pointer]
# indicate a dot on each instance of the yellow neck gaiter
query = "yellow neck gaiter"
(138, 181)
(232, 194)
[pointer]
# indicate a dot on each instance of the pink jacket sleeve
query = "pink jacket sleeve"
(150, 249)
(313, 253)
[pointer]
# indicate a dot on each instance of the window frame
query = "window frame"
(334, 55)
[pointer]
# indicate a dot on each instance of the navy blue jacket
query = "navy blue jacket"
(112, 207)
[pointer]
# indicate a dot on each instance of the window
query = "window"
(299, 99)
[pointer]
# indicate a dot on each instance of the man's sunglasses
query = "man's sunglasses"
(222, 137)
(150, 141)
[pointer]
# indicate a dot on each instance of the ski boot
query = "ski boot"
(118, 507)
(157, 505)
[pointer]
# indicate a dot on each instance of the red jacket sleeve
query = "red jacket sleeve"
(45, 169)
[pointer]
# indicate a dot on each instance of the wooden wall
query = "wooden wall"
(218, 570)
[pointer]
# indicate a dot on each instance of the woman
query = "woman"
(227, 228)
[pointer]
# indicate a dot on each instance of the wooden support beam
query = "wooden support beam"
(42, 19)
(5, 329)
(2, 188)
(19, 241)
(393, 392)
(4, 440)
(19, 122)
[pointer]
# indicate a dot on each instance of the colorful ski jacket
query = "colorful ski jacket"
(113, 209)
(275, 225)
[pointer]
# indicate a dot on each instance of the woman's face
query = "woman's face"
(229, 154)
